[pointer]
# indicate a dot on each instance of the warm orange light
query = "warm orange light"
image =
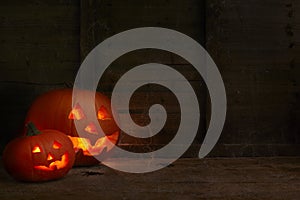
(80, 143)
(56, 145)
(99, 146)
(58, 164)
(76, 113)
(36, 149)
(91, 128)
(92, 150)
(103, 114)
(49, 157)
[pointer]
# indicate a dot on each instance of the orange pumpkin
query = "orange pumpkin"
(39, 156)
(53, 110)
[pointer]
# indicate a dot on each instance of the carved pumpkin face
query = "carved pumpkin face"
(54, 110)
(46, 156)
(53, 162)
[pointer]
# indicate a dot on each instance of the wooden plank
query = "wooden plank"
(218, 178)
(38, 39)
(255, 47)
(39, 3)
(39, 51)
(102, 19)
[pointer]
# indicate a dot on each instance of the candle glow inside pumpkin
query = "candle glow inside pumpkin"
(84, 143)
(54, 164)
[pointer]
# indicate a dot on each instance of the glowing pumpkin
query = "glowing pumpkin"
(39, 156)
(53, 110)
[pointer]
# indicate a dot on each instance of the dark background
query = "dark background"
(254, 43)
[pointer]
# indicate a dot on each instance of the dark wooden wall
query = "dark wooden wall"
(101, 19)
(254, 43)
(256, 46)
(39, 50)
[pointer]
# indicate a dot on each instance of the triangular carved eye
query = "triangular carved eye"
(36, 149)
(56, 145)
(91, 128)
(103, 114)
(76, 113)
(50, 157)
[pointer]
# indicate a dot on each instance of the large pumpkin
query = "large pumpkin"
(39, 156)
(54, 110)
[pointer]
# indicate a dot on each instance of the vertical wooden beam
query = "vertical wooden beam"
(255, 44)
(94, 28)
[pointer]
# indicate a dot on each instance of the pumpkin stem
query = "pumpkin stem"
(31, 129)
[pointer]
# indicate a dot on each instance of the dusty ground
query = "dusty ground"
(222, 178)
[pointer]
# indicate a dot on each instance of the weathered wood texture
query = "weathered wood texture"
(256, 46)
(254, 43)
(102, 19)
(39, 51)
(254, 49)
(229, 178)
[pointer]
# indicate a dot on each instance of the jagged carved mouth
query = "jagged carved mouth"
(55, 165)
(89, 149)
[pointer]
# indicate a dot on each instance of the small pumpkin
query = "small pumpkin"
(54, 110)
(39, 156)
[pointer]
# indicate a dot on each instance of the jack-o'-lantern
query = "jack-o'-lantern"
(54, 110)
(39, 156)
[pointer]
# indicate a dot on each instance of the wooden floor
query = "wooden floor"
(210, 178)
